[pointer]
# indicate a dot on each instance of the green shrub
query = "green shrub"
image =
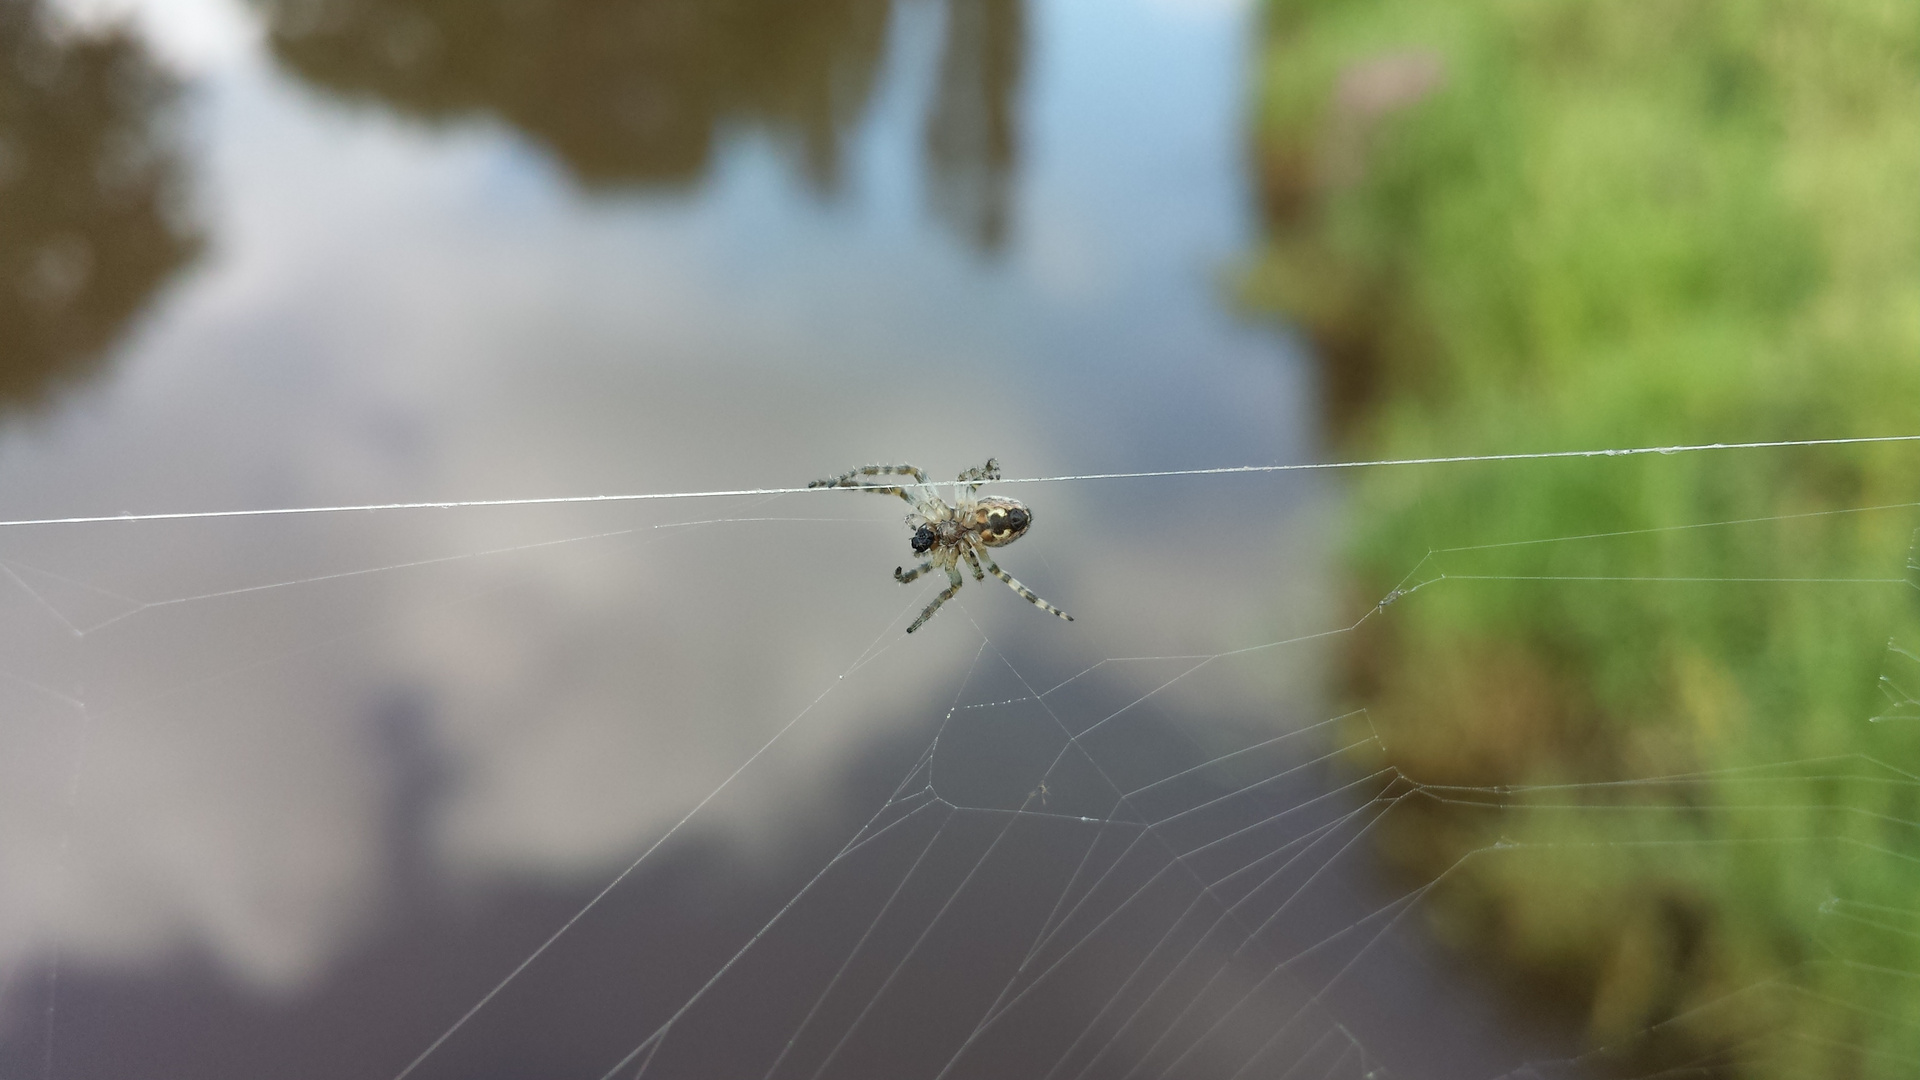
(1526, 225)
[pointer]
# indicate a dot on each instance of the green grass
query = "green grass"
(1573, 224)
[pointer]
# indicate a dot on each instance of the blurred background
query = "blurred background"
(1580, 767)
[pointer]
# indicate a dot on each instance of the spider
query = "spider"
(946, 534)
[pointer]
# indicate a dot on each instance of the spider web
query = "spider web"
(642, 786)
(1144, 864)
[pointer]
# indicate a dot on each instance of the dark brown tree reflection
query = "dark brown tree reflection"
(91, 185)
(972, 135)
(641, 92)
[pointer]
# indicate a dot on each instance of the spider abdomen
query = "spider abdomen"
(999, 521)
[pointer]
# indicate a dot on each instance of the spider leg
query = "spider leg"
(1031, 597)
(953, 575)
(973, 478)
(903, 575)
(973, 561)
(852, 478)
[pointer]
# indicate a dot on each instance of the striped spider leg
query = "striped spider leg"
(973, 478)
(945, 534)
(853, 478)
(1027, 594)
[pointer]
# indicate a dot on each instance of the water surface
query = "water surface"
(289, 795)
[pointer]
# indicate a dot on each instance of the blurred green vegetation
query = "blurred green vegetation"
(1523, 225)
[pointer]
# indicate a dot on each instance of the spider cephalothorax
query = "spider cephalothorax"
(946, 533)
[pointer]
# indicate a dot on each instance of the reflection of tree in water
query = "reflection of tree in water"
(971, 137)
(90, 185)
(640, 92)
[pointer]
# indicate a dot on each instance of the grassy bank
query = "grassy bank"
(1686, 809)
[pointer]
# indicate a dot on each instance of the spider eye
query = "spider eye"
(923, 539)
